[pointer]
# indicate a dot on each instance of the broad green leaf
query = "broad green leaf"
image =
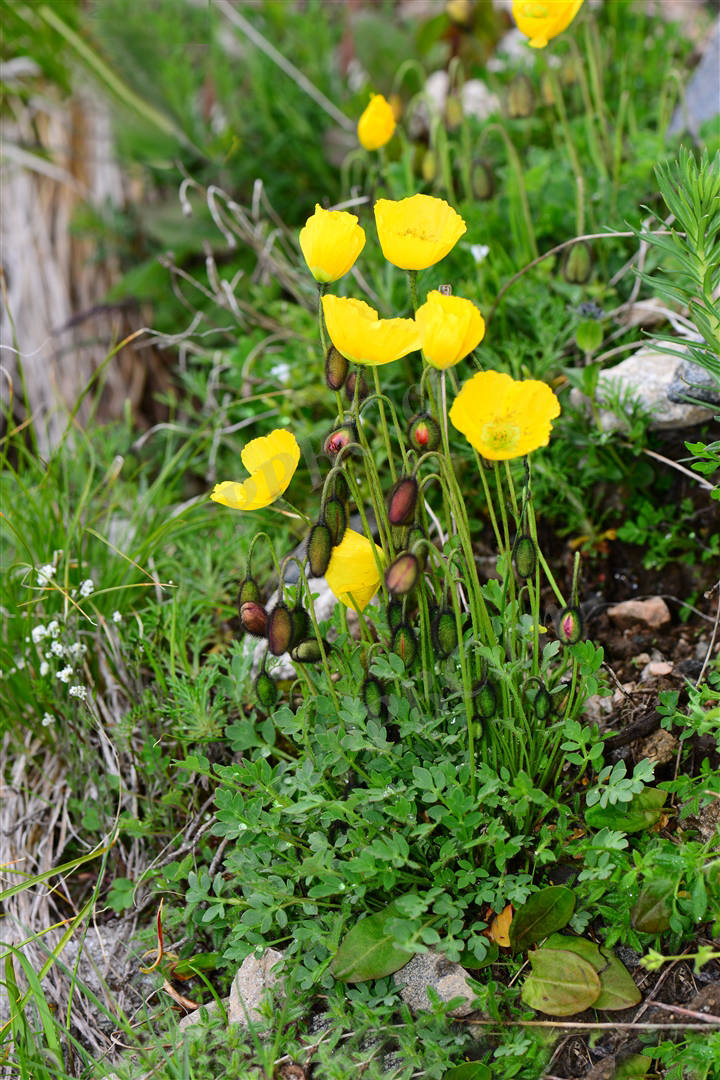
(618, 989)
(653, 907)
(369, 950)
(642, 812)
(547, 910)
(469, 1070)
(633, 1068)
(561, 984)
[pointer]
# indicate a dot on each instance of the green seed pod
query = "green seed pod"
(350, 383)
(249, 592)
(402, 575)
(428, 166)
(443, 630)
(484, 700)
(266, 690)
(424, 432)
(335, 517)
(394, 614)
(525, 556)
(401, 500)
(521, 97)
(341, 437)
(319, 549)
(336, 369)
(569, 625)
(280, 629)
(253, 618)
(482, 181)
(578, 263)
(373, 696)
(308, 651)
(301, 623)
(404, 643)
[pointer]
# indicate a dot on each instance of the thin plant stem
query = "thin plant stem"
(383, 424)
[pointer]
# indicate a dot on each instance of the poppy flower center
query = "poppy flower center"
(500, 435)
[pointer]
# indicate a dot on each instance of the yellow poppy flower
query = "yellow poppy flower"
(331, 241)
(271, 461)
(353, 575)
(357, 331)
(377, 124)
(450, 328)
(504, 418)
(541, 20)
(417, 232)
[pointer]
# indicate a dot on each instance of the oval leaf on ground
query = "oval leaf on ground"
(561, 984)
(652, 910)
(642, 812)
(469, 1070)
(469, 961)
(617, 986)
(633, 1068)
(369, 950)
(547, 910)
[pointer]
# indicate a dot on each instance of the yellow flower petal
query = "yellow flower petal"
(331, 241)
(541, 20)
(504, 418)
(357, 331)
(271, 461)
(353, 575)
(450, 328)
(377, 124)
(417, 232)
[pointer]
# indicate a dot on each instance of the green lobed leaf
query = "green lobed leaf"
(561, 984)
(369, 950)
(642, 812)
(546, 911)
(618, 989)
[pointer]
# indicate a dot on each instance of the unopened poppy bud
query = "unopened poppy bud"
(280, 630)
(336, 369)
(482, 181)
(335, 517)
(577, 265)
(570, 625)
(301, 623)
(319, 549)
(428, 166)
(453, 112)
(308, 651)
(394, 614)
(373, 696)
(547, 90)
(402, 500)
(249, 592)
(568, 71)
(484, 700)
(402, 575)
(266, 690)
(542, 703)
(443, 630)
(525, 556)
(338, 439)
(460, 12)
(362, 387)
(521, 97)
(404, 644)
(253, 618)
(424, 432)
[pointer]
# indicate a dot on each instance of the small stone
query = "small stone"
(693, 382)
(194, 1019)
(250, 987)
(660, 747)
(652, 612)
(655, 670)
(603, 1069)
(431, 969)
(597, 708)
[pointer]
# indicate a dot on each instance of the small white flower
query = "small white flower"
(53, 628)
(78, 692)
(116, 616)
(20, 663)
(65, 675)
(45, 574)
(57, 649)
(87, 587)
(76, 650)
(479, 252)
(47, 720)
(38, 633)
(44, 667)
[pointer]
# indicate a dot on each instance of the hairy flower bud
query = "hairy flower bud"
(362, 387)
(280, 629)
(424, 432)
(253, 618)
(577, 265)
(428, 165)
(401, 500)
(336, 369)
(443, 630)
(404, 643)
(319, 549)
(335, 517)
(373, 697)
(249, 591)
(569, 625)
(308, 651)
(521, 97)
(338, 439)
(394, 614)
(402, 575)
(266, 690)
(525, 556)
(484, 700)
(542, 703)
(453, 112)
(482, 181)
(301, 623)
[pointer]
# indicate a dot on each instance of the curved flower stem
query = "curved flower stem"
(377, 498)
(383, 424)
(396, 424)
(316, 629)
(357, 496)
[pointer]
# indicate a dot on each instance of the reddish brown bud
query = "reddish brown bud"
(340, 438)
(402, 500)
(280, 629)
(401, 576)
(424, 432)
(253, 618)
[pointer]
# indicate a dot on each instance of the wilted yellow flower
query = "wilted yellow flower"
(357, 331)
(331, 241)
(271, 461)
(417, 232)
(353, 575)
(377, 123)
(504, 418)
(450, 328)
(541, 20)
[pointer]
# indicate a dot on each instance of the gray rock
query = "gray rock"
(194, 1018)
(692, 381)
(431, 969)
(643, 379)
(702, 96)
(254, 979)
